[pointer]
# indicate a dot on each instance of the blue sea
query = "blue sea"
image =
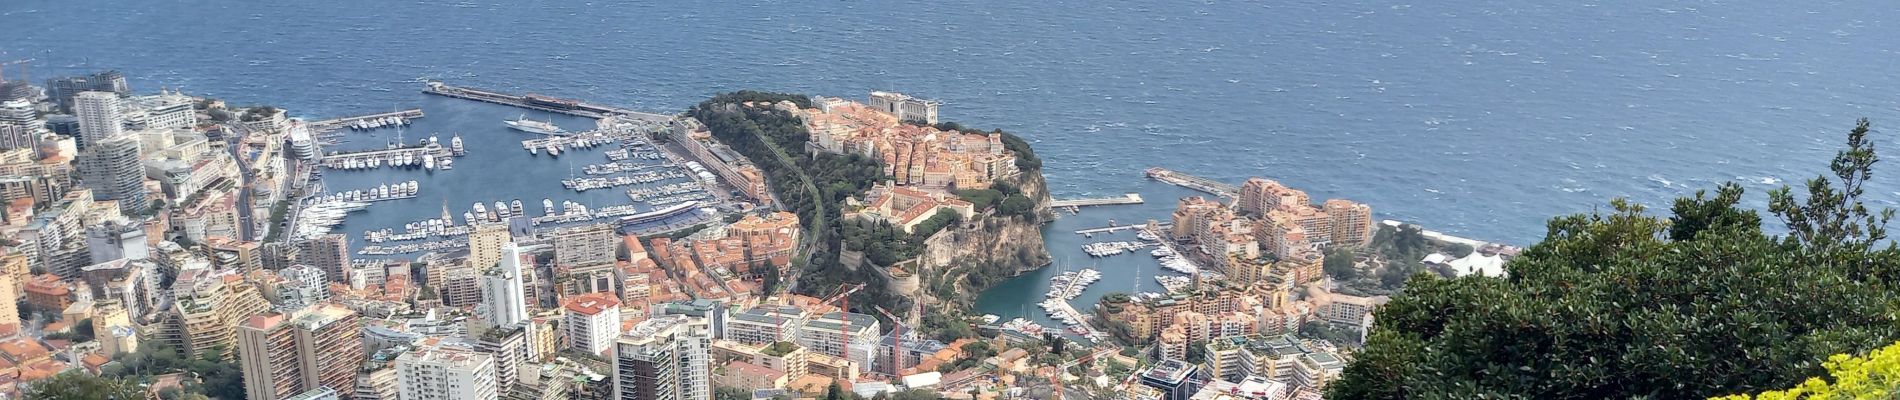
(1479, 118)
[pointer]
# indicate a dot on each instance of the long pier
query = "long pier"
(539, 103)
(1194, 182)
(1131, 198)
(339, 122)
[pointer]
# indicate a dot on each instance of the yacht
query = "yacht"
(524, 124)
(549, 205)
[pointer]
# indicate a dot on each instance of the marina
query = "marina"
(586, 184)
(409, 222)
(426, 154)
(1106, 249)
(405, 116)
(385, 192)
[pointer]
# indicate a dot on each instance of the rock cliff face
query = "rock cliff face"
(988, 247)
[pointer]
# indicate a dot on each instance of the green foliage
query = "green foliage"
(1620, 304)
(1325, 331)
(982, 199)
(1876, 376)
(81, 332)
(76, 385)
(731, 393)
(1833, 216)
(1339, 265)
(758, 96)
(1016, 204)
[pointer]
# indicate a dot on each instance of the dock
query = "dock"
(1107, 229)
(1194, 182)
(329, 124)
(383, 158)
(539, 103)
(1130, 198)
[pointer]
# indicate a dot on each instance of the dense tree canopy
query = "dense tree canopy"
(1625, 304)
(76, 385)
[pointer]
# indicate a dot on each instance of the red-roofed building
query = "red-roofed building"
(593, 321)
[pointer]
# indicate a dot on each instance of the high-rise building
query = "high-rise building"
(207, 308)
(100, 117)
(267, 354)
(111, 167)
(446, 372)
(503, 300)
(593, 321)
(508, 345)
(9, 308)
(331, 253)
(65, 89)
(664, 358)
(1351, 222)
(587, 245)
(484, 245)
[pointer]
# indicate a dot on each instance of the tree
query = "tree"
(1624, 304)
(731, 393)
(1339, 265)
(72, 385)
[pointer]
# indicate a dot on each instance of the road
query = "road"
(234, 143)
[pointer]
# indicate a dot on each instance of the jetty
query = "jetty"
(539, 103)
(1130, 198)
(372, 159)
(334, 123)
(1194, 182)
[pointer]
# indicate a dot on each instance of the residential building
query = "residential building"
(49, 292)
(664, 358)
(100, 117)
(503, 300)
(1174, 378)
(446, 372)
(115, 239)
(302, 286)
(593, 321)
(207, 308)
(65, 90)
(227, 253)
(764, 324)
(330, 253)
(485, 243)
(282, 354)
(587, 245)
(850, 336)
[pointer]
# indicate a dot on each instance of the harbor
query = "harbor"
(1065, 239)
(652, 192)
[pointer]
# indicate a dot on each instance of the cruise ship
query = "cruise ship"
(524, 124)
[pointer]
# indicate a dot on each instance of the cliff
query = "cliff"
(957, 264)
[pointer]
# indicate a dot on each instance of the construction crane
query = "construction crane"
(897, 349)
(21, 63)
(843, 297)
